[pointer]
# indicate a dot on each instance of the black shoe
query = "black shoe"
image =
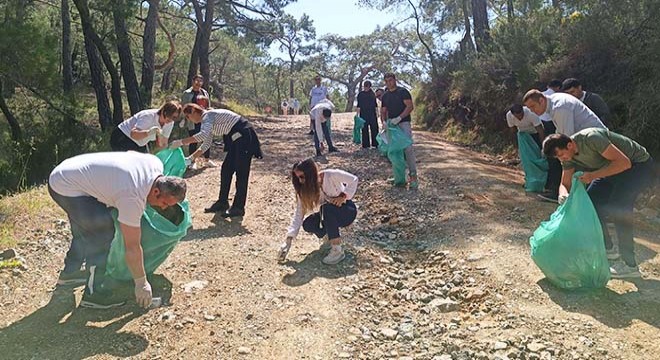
(310, 133)
(103, 299)
(233, 213)
(334, 149)
(76, 277)
(318, 154)
(217, 206)
(549, 197)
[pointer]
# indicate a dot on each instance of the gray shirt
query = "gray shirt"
(570, 115)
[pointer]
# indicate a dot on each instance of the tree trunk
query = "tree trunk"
(166, 82)
(207, 28)
(16, 133)
(466, 44)
(434, 70)
(480, 21)
(350, 95)
(119, 13)
(149, 52)
(95, 69)
(509, 10)
(556, 4)
(67, 68)
(194, 60)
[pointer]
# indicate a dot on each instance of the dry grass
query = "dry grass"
(24, 212)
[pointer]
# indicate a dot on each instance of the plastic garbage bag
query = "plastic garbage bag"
(533, 163)
(381, 138)
(569, 247)
(358, 124)
(398, 141)
(161, 229)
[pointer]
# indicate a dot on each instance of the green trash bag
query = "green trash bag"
(174, 163)
(161, 229)
(358, 124)
(381, 138)
(161, 232)
(398, 141)
(533, 163)
(569, 247)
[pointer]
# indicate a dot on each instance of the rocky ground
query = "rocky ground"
(440, 273)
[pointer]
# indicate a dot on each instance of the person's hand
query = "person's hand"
(338, 200)
(155, 130)
(188, 160)
(143, 292)
(176, 144)
(284, 250)
(587, 178)
(562, 198)
(395, 121)
(182, 123)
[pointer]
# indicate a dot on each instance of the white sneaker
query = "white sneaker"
(335, 256)
(621, 270)
(325, 244)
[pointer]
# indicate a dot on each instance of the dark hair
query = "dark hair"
(570, 83)
(367, 83)
(554, 83)
(170, 108)
(516, 109)
(171, 185)
(192, 108)
(198, 76)
(327, 112)
(308, 192)
(554, 142)
(533, 95)
(389, 75)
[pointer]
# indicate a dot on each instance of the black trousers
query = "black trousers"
(120, 142)
(333, 218)
(554, 166)
(237, 161)
(370, 129)
(192, 147)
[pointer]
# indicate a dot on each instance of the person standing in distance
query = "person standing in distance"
(397, 105)
(366, 109)
(318, 93)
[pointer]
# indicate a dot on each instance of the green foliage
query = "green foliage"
(613, 48)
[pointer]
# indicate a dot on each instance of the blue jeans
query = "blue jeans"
(614, 197)
(326, 135)
(92, 228)
(333, 218)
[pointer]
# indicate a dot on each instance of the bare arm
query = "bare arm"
(566, 180)
(134, 255)
(619, 163)
(138, 134)
(409, 108)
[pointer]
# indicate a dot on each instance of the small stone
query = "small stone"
(389, 334)
(209, 317)
(243, 350)
(535, 347)
(444, 305)
(474, 257)
(344, 355)
(442, 357)
(500, 345)
(188, 320)
(8, 254)
(194, 285)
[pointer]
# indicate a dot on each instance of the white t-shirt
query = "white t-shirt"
(317, 114)
(528, 123)
(317, 94)
(335, 182)
(118, 179)
(570, 115)
(145, 120)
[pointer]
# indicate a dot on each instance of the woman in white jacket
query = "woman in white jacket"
(331, 192)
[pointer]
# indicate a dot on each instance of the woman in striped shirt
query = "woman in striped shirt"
(240, 144)
(331, 192)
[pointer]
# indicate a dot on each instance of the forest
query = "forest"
(71, 70)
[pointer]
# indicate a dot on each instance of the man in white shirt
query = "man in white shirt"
(87, 187)
(318, 93)
(525, 121)
(320, 114)
(569, 115)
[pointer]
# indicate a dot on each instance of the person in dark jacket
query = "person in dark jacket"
(366, 109)
(593, 101)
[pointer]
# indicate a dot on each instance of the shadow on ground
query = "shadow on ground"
(612, 309)
(311, 267)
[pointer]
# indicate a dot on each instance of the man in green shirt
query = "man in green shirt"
(616, 170)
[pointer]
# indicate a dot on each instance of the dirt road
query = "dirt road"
(439, 273)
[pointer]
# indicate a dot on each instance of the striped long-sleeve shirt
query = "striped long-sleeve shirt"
(216, 122)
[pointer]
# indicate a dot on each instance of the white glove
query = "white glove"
(143, 292)
(176, 144)
(182, 123)
(395, 121)
(561, 199)
(188, 160)
(155, 130)
(284, 250)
